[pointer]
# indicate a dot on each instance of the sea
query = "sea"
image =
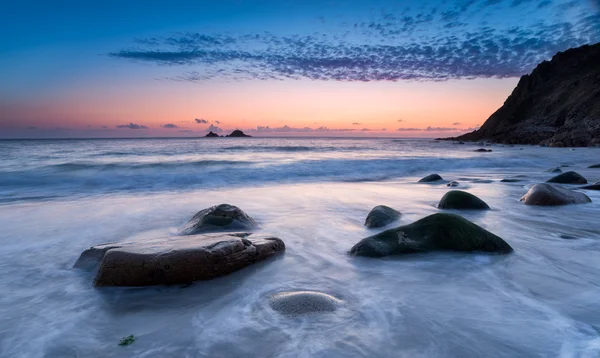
(59, 197)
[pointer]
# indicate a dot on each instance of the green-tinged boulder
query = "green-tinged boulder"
(222, 217)
(551, 195)
(431, 178)
(381, 215)
(458, 199)
(437, 232)
(568, 178)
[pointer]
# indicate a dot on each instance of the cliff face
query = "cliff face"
(558, 104)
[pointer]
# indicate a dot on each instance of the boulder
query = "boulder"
(381, 215)
(431, 178)
(442, 231)
(176, 260)
(452, 183)
(458, 199)
(483, 150)
(303, 302)
(222, 217)
(594, 166)
(553, 170)
(595, 186)
(550, 195)
(568, 178)
(510, 180)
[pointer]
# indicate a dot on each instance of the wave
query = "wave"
(108, 166)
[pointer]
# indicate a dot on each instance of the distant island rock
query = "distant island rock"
(557, 105)
(238, 133)
(212, 134)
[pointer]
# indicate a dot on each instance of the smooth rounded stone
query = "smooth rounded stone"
(510, 180)
(458, 199)
(437, 232)
(594, 166)
(431, 178)
(568, 237)
(550, 195)
(303, 302)
(568, 178)
(553, 170)
(222, 217)
(452, 183)
(176, 260)
(381, 215)
(595, 186)
(482, 150)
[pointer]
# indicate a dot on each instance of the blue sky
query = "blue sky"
(54, 53)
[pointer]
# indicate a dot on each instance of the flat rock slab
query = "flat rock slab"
(223, 217)
(303, 302)
(437, 232)
(381, 215)
(176, 260)
(551, 195)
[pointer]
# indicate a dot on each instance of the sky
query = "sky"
(412, 68)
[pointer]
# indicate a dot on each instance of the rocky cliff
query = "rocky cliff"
(558, 104)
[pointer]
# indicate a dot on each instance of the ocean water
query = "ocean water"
(58, 197)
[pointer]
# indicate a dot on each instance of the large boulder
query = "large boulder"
(458, 199)
(431, 178)
(222, 217)
(303, 302)
(550, 195)
(442, 231)
(381, 215)
(594, 166)
(568, 178)
(175, 260)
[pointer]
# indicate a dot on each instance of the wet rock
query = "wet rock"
(511, 180)
(431, 178)
(568, 237)
(458, 199)
(595, 186)
(442, 231)
(483, 150)
(568, 178)
(594, 166)
(550, 195)
(452, 183)
(176, 260)
(303, 302)
(222, 217)
(553, 170)
(482, 181)
(381, 215)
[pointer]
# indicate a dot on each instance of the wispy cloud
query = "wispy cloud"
(201, 121)
(456, 124)
(356, 124)
(213, 128)
(390, 49)
(132, 126)
(169, 126)
(409, 129)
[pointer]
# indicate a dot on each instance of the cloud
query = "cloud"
(400, 120)
(169, 125)
(201, 121)
(218, 122)
(356, 124)
(132, 126)
(185, 131)
(365, 130)
(288, 129)
(433, 45)
(409, 129)
(213, 128)
(383, 129)
(456, 124)
(439, 129)
(31, 128)
(105, 127)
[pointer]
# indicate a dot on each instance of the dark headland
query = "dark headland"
(557, 105)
